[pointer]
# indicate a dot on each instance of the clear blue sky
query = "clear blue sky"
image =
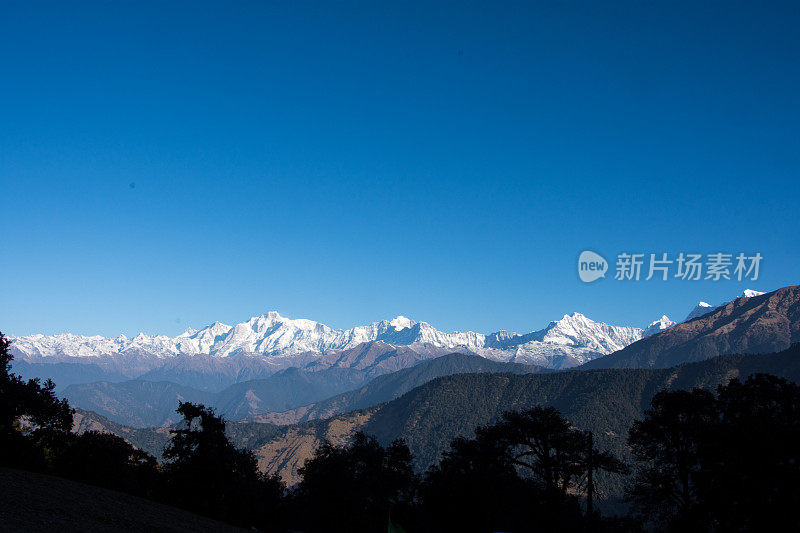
(165, 165)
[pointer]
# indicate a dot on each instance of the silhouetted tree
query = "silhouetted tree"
(541, 441)
(355, 488)
(207, 474)
(475, 487)
(29, 411)
(591, 461)
(667, 443)
(752, 459)
(725, 463)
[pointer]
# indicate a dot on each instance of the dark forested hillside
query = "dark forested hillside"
(134, 403)
(391, 386)
(605, 401)
(289, 396)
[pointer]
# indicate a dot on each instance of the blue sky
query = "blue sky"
(168, 165)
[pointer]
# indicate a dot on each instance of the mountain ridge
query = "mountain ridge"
(762, 323)
(284, 395)
(566, 342)
(428, 417)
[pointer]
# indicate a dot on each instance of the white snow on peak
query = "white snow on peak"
(703, 308)
(700, 309)
(573, 340)
(576, 329)
(570, 341)
(658, 326)
(749, 293)
(188, 333)
(400, 322)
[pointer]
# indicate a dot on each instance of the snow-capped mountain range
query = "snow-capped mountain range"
(570, 341)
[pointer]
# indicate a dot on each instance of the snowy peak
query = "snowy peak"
(574, 339)
(570, 341)
(703, 308)
(400, 322)
(578, 330)
(750, 293)
(658, 326)
(566, 342)
(700, 309)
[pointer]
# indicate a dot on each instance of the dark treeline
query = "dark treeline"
(712, 462)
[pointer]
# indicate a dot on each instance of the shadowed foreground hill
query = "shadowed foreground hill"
(760, 324)
(38, 502)
(430, 416)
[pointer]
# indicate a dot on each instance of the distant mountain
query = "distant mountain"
(141, 403)
(219, 355)
(757, 324)
(565, 343)
(269, 334)
(428, 417)
(376, 358)
(134, 403)
(65, 374)
(210, 373)
(154, 439)
(391, 386)
(658, 326)
(287, 389)
(703, 308)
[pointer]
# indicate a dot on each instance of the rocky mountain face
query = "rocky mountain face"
(756, 324)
